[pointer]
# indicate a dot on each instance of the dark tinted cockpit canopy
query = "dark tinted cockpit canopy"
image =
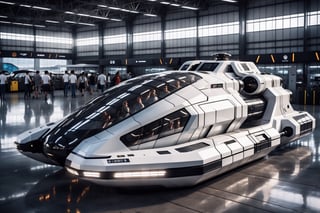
(114, 106)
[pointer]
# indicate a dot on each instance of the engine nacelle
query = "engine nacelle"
(256, 84)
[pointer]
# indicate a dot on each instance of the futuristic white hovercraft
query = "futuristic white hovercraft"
(174, 128)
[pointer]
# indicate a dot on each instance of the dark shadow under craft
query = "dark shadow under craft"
(175, 128)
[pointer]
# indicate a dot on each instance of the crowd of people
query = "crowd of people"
(36, 85)
(89, 83)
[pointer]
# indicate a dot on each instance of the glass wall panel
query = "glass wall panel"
(21, 63)
(115, 41)
(58, 65)
(87, 42)
(147, 36)
(275, 28)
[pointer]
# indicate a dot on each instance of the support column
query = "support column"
(163, 42)
(129, 29)
(306, 49)
(74, 46)
(34, 39)
(197, 36)
(306, 30)
(101, 46)
(242, 29)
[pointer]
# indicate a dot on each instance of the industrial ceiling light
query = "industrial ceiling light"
(190, 8)
(101, 5)
(41, 8)
(114, 8)
(118, 9)
(165, 2)
(86, 24)
(130, 11)
(25, 5)
(230, 1)
(100, 17)
(91, 16)
(70, 22)
(176, 5)
(7, 2)
(115, 19)
(39, 25)
(52, 21)
(81, 23)
(22, 24)
(5, 22)
(82, 14)
(69, 12)
(149, 14)
(122, 9)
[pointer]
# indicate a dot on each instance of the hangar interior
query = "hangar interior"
(141, 37)
(151, 36)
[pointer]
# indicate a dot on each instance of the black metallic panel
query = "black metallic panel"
(192, 147)
(165, 152)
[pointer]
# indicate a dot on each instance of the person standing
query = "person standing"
(65, 78)
(27, 85)
(46, 79)
(52, 85)
(73, 83)
(102, 81)
(117, 78)
(108, 81)
(92, 83)
(3, 81)
(82, 83)
(37, 84)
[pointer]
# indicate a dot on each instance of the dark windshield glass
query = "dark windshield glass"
(208, 67)
(184, 67)
(115, 105)
(168, 125)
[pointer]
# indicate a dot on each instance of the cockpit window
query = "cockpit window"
(190, 67)
(245, 67)
(168, 125)
(116, 104)
(193, 67)
(230, 69)
(208, 67)
(184, 67)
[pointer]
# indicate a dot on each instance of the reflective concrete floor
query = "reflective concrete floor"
(285, 181)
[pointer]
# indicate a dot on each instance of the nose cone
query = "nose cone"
(34, 146)
(57, 152)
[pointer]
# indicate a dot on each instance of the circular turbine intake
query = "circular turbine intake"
(250, 85)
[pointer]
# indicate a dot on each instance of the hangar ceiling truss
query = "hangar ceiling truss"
(61, 12)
